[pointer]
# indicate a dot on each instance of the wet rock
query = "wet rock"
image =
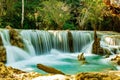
(116, 50)
(9, 73)
(15, 38)
(97, 49)
(116, 60)
(70, 40)
(96, 44)
(14, 71)
(81, 58)
(4, 71)
(101, 51)
(2, 54)
(49, 69)
(1, 43)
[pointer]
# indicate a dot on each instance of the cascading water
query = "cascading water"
(53, 48)
(13, 53)
(111, 42)
(44, 41)
(81, 39)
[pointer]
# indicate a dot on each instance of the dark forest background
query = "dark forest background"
(60, 15)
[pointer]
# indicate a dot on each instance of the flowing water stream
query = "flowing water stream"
(52, 48)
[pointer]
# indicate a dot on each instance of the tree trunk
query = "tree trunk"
(49, 69)
(22, 20)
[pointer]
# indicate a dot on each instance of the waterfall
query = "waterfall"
(55, 48)
(44, 41)
(81, 39)
(38, 42)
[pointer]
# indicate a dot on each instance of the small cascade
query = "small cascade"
(39, 40)
(81, 39)
(112, 43)
(60, 41)
(27, 42)
(13, 53)
(44, 41)
(5, 37)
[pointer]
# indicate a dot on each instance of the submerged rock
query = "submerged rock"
(81, 58)
(116, 60)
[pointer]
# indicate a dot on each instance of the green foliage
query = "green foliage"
(91, 13)
(57, 14)
(68, 26)
(54, 11)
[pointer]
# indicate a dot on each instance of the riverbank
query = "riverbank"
(9, 73)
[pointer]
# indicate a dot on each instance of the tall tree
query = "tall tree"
(22, 20)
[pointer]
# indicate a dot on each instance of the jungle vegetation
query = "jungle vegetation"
(59, 15)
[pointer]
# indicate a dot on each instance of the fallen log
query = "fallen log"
(49, 69)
